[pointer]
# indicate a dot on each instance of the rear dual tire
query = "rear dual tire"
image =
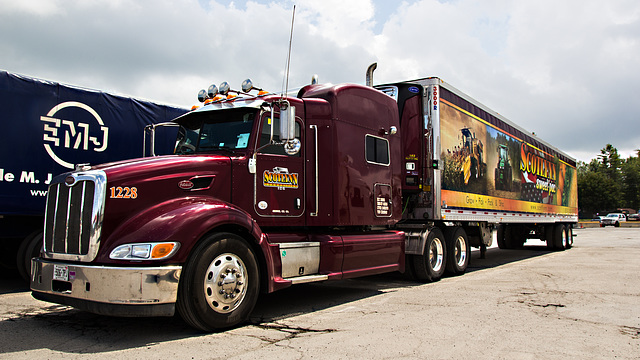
(458, 250)
(431, 265)
(443, 252)
(511, 236)
(559, 237)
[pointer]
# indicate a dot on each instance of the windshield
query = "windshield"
(209, 131)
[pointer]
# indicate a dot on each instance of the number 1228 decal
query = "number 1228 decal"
(123, 192)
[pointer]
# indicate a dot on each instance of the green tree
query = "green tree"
(610, 162)
(596, 193)
(601, 182)
(630, 173)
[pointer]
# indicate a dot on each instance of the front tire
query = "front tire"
(219, 285)
(430, 266)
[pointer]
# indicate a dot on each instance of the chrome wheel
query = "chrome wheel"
(430, 265)
(436, 254)
(569, 237)
(461, 251)
(224, 283)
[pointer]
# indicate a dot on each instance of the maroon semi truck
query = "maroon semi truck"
(267, 191)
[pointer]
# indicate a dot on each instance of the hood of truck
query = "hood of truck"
(145, 182)
(166, 168)
(143, 186)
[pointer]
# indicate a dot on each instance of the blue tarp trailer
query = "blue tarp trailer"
(48, 128)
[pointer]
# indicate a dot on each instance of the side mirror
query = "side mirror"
(287, 122)
(292, 147)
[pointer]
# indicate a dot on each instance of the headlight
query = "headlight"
(145, 251)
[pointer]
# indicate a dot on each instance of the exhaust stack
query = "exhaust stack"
(370, 71)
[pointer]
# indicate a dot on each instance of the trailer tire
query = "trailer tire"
(516, 236)
(430, 266)
(29, 248)
(500, 232)
(513, 237)
(569, 230)
(220, 283)
(458, 250)
(548, 236)
(559, 237)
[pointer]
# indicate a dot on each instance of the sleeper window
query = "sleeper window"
(377, 150)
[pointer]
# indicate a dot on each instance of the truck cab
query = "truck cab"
(262, 192)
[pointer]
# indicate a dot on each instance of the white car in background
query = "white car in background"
(613, 219)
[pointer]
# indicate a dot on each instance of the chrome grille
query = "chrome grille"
(73, 216)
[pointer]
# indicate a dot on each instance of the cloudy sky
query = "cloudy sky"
(568, 70)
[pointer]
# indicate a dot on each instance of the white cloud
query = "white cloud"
(32, 7)
(345, 23)
(563, 69)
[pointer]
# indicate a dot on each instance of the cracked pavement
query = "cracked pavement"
(515, 304)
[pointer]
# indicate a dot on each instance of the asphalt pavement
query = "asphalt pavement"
(583, 303)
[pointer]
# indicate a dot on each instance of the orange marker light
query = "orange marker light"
(161, 250)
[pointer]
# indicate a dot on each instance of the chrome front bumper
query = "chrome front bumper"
(119, 291)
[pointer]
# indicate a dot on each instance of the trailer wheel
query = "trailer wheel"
(513, 238)
(458, 250)
(29, 248)
(431, 265)
(219, 284)
(548, 236)
(520, 236)
(569, 230)
(500, 236)
(559, 237)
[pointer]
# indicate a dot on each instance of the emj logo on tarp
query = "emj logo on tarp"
(67, 134)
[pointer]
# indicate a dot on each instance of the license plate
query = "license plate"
(60, 272)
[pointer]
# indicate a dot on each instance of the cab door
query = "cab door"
(279, 178)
